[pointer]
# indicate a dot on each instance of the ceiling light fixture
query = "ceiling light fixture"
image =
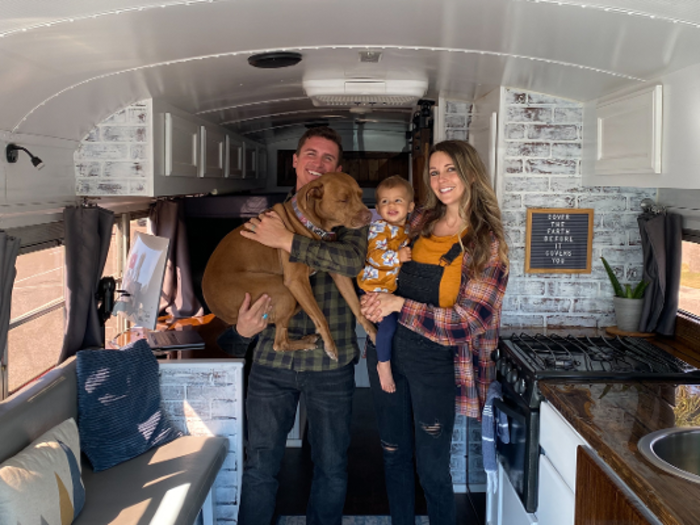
(12, 153)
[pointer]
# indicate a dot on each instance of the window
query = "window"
(35, 338)
(114, 267)
(689, 298)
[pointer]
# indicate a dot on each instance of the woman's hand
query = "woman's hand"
(375, 306)
(268, 229)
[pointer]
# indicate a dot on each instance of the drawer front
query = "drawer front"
(556, 500)
(559, 442)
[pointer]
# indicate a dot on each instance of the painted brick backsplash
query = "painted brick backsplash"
(542, 169)
(114, 159)
(205, 398)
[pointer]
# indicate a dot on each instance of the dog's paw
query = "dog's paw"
(331, 352)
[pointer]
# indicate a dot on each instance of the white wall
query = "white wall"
(115, 157)
(541, 167)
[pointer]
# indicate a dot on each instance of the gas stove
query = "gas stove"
(522, 360)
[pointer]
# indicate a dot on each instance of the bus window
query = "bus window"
(113, 267)
(689, 298)
(35, 338)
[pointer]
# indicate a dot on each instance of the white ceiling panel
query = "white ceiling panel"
(59, 78)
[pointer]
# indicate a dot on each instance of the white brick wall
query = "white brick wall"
(204, 397)
(115, 157)
(542, 168)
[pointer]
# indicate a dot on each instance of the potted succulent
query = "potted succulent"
(628, 301)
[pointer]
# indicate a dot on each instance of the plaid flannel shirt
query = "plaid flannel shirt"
(345, 256)
(472, 325)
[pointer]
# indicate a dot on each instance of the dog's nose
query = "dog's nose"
(364, 217)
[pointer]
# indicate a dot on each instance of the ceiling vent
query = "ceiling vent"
(372, 93)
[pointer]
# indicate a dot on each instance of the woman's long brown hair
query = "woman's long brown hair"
(478, 207)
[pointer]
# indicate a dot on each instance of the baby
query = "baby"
(387, 249)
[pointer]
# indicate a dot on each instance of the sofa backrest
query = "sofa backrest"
(27, 414)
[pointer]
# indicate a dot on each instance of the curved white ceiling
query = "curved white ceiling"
(61, 77)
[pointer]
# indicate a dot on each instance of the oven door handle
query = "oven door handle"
(514, 414)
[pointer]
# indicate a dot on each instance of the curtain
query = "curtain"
(178, 299)
(9, 247)
(661, 244)
(88, 232)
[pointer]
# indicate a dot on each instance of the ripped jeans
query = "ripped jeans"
(420, 415)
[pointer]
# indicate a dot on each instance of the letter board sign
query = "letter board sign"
(558, 240)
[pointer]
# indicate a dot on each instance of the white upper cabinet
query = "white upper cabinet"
(234, 157)
(251, 161)
(191, 155)
(213, 152)
(623, 139)
(182, 146)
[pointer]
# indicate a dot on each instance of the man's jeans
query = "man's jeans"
(273, 395)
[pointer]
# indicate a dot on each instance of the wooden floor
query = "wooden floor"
(366, 491)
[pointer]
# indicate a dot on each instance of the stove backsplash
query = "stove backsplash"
(542, 168)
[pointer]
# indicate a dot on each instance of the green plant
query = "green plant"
(627, 292)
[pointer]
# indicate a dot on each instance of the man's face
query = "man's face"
(316, 157)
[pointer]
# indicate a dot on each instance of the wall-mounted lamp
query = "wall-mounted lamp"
(12, 153)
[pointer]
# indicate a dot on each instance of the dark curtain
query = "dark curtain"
(178, 298)
(661, 243)
(9, 247)
(88, 232)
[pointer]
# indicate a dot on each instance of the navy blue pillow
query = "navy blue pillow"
(119, 405)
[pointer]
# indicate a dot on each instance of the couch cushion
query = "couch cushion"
(166, 485)
(42, 484)
(37, 408)
(119, 405)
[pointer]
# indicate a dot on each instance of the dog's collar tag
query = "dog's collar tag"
(325, 235)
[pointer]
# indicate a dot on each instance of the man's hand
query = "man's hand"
(375, 306)
(253, 319)
(268, 229)
(405, 254)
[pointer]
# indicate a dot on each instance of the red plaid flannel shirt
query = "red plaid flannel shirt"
(472, 325)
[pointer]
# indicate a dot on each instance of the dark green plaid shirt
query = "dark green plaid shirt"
(345, 256)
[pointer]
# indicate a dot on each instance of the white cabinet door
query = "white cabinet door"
(511, 511)
(182, 143)
(234, 157)
(556, 501)
(214, 151)
(262, 163)
(559, 441)
(251, 161)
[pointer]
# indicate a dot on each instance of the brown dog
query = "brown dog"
(240, 265)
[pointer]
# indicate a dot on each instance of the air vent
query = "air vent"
(365, 92)
(274, 60)
(372, 57)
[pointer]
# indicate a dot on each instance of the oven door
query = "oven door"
(519, 457)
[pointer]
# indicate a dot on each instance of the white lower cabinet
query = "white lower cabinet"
(556, 500)
(505, 507)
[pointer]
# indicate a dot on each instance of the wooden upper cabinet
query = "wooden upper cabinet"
(599, 499)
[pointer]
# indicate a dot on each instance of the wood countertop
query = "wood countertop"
(612, 417)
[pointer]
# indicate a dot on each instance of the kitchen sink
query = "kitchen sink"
(674, 450)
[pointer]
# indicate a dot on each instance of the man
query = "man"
(277, 380)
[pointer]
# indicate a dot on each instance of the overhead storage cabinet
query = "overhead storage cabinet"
(622, 139)
(192, 155)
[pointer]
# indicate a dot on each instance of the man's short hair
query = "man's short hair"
(325, 133)
(395, 181)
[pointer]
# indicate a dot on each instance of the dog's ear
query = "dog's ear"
(315, 191)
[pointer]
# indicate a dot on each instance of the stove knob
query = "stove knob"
(520, 386)
(512, 376)
(496, 355)
(506, 368)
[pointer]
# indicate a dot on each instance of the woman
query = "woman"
(449, 305)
